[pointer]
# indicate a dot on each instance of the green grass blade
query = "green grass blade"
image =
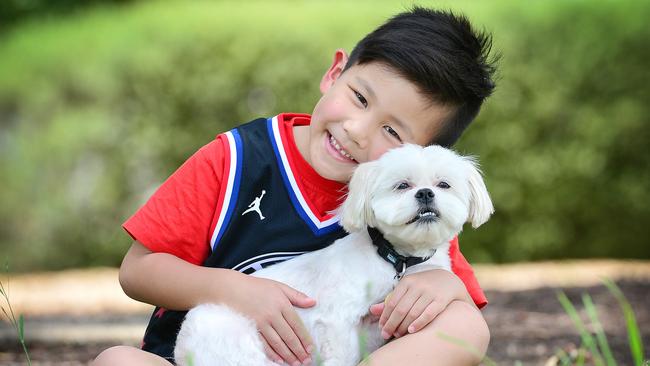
(363, 344)
(581, 357)
(189, 358)
(565, 360)
(598, 328)
(466, 346)
(585, 335)
(633, 333)
(19, 324)
(21, 327)
(11, 321)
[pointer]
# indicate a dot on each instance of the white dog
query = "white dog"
(418, 198)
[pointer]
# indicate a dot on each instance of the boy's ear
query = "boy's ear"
(338, 65)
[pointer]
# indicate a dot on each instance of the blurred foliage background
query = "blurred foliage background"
(101, 101)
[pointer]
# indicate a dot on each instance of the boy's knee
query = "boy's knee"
(469, 325)
(457, 336)
(112, 356)
(125, 355)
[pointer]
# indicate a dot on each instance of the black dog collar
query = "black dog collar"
(386, 250)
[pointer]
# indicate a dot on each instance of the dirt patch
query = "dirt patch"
(71, 292)
(531, 325)
(73, 315)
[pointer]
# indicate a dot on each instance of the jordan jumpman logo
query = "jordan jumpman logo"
(255, 206)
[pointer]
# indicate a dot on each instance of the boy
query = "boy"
(262, 193)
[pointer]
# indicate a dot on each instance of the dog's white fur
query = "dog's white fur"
(349, 276)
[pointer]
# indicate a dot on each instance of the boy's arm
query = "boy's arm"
(170, 282)
(167, 281)
(419, 297)
(172, 232)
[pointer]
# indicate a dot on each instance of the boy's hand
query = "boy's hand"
(416, 300)
(283, 334)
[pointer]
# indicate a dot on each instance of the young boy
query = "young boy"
(263, 193)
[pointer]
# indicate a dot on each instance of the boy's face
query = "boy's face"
(364, 112)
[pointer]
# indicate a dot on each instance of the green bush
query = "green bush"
(98, 108)
(564, 141)
(13, 12)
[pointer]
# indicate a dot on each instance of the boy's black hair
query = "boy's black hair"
(442, 55)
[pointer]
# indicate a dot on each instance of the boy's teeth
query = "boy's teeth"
(335, 143)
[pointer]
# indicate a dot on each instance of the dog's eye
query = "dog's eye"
(443, 185)
(402, 186)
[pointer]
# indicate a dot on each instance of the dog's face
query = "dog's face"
(417, 197)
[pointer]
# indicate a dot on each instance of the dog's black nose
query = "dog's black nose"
(424, 196)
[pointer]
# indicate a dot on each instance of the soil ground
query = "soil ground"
(71, 316)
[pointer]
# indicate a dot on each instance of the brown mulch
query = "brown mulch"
(527, 326)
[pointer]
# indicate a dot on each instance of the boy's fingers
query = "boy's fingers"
(427, 316)
(416, 310)
(299, 329)
(270, 353)
(398, 314)
(290, 340)
(297, 298)
(377, 309)
(390, 302)
(277, 344)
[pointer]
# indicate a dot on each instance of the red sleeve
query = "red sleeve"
(178, 218)
(464, 271)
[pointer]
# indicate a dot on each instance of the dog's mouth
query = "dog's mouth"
(425, 216)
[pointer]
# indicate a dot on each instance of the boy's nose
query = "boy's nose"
(357, 132)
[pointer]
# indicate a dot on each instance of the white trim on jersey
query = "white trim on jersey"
(232, 172)
(294, 185)
(256, 263)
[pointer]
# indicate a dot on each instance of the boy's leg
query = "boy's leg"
(124, 355)
(459, 320)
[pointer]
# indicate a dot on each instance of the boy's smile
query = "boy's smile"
(364, 112)
(335, 149)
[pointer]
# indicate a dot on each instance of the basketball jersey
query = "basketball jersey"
(264, 219)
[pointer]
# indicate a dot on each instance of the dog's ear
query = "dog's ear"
(480, 204)
(355, 211)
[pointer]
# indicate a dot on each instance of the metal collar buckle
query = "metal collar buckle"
(400, 274)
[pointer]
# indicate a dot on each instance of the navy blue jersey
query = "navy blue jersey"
(264, 219)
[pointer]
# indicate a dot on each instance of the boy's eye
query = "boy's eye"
(444, 185)
(394, 133)
(361, 99)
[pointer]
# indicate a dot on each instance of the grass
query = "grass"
(593, 337)
(594, 345)
(17, 324)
